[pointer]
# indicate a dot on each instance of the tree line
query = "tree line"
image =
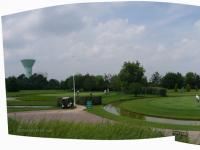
(85, 82)
(130, 79)
(176, 81)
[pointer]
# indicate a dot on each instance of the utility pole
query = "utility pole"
(74, 91)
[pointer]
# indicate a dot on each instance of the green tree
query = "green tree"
(100, 83)
(155, 79)
(192, 79)
(53, 84)
(63, 85)
(79, 78)
(115, 83)
(197, 84)
(131, 72)
(170, 80)
(37, 82)
(180, 80)
(89, 83)
(12, 84)
(23, 82)
(107, 79)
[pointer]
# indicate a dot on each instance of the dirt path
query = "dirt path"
(73, 115)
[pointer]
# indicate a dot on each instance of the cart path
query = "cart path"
(70, 115)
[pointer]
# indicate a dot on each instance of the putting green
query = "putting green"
(183, 107)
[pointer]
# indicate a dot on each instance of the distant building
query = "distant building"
(28, 64)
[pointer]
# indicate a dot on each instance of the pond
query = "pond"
(112, 109)
(117, 111)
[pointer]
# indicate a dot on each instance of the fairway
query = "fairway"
(49, 98)
(176, 107)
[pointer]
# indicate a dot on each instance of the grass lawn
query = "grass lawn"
(183, 107)
(98, 110)
(59, 129)
(49, 98)
(175, 105)
(37, 98)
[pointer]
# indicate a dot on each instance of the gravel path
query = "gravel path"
(72, 115)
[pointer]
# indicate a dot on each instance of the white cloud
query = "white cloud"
(96, 41)
(16, 26)
(72, 39)
(197, 25)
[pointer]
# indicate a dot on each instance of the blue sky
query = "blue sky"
(97, 38)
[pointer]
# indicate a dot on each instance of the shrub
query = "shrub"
(162, 92)
(96, 100)
(154, 91)
(138, 90)
(135, 88)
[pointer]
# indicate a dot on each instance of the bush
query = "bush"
(135, 88)
(154, 91)
(96, 100)
(162, 92)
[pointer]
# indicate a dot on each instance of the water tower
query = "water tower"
(28, 64)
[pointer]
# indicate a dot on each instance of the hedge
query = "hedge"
(96, 100)
(154, 91)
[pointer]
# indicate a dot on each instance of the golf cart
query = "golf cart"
(65, 102)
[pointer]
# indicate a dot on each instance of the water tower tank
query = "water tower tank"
(28, 64)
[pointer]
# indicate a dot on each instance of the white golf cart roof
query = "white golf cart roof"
(65, 97)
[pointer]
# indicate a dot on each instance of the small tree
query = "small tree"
(176, 87)
(188, 88)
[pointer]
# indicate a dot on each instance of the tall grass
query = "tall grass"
(59, 129)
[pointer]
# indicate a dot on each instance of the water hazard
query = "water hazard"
(117, 111)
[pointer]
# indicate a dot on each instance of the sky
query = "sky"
(97, 38)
